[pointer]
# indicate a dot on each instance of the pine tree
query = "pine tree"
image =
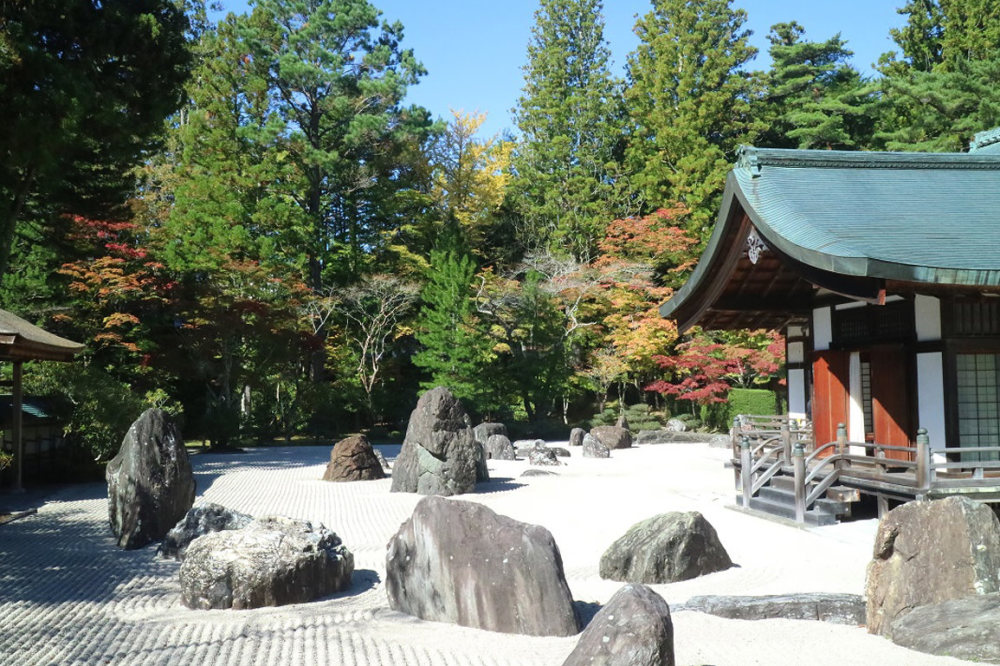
(689, 100)
(569, 118)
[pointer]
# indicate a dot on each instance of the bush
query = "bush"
(719, 416)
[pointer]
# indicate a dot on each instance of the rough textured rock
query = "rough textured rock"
(527, 444)
(538, 472)
(929, 552)
(440, 454)
(612, 437)
(542, 455)
(676, 425)
(664, 549)
(671, 437)
(576, 436)
(633, 629)
(593, 448)
(150, 484)
(966, 628)
(484, 431)
(459, 562)
(846, 609)
(199, 521)
(622, 422)
(498, 447)
(271, 562)
(560, 451)
(353, 459)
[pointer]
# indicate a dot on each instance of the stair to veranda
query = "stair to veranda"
(778, 499)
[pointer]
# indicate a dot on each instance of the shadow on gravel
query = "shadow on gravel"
(498, 485)
(362, 580)
(586, 610)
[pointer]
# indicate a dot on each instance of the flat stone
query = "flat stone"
(846, 609)
(966, 628)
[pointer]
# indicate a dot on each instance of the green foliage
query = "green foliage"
(569, 116)
(740, 401)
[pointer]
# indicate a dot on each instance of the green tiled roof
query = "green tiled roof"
(916, 217)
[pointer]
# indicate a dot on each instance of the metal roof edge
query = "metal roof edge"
(754, 159)
(983, 139)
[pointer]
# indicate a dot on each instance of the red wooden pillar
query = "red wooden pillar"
(831, 382)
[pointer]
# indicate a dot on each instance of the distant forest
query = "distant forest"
(247, 226)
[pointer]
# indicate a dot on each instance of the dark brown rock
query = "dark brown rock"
(199, 521)
(273, 561)
(459, 562)
(576, 436)
(593, 448)
(929, 552)
(353, 459)
(633, 629)
(846, 609)
(612, 437)
(967, 628)
(665, 549)
(150, 483)
(440, 455)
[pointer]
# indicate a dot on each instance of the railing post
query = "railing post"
(841, 445)
(925, 473)
(799, 463)
(745, 466)
(736, 435)
(786, 441)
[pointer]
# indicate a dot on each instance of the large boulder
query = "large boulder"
(929, 552)
(542, 455)
(612, 437)
(846, 609)
(967, 628)
(632, 629)
(271, 562)
(498, 447)
(150, 484)
(353, 459)
(576, 436)
(484, 431)
(593, 448)
(459, 562)
(199, 521)
(665, 549)
(440, 455)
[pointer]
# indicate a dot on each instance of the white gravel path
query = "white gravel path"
(69, 596)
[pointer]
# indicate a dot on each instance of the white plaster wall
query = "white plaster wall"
(794, 331)
(822, 329)
(797, 391)
(927, 310)
(855, 412)
(930, 396)
(796, 352)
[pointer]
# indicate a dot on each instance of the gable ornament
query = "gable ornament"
(755, 245)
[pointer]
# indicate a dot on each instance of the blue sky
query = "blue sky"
(473, 50)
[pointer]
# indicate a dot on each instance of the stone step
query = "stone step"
(826, 505)
(812, 517)
(836, 493)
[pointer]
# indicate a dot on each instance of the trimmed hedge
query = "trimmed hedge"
(719, 416)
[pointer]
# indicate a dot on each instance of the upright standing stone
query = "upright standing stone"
(593, 448)
(440, 455)
(576, 436)
(929, 552)
(353, 459)
(613, 437)
(498, 447)
(459, 562)
(633, 629)
(150, 484)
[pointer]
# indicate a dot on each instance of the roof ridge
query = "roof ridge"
(753, 158)
(985, 138)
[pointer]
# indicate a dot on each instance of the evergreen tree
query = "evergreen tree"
(814, 98)
(569, 117)
(689, 99)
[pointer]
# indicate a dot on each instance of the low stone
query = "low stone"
(846, 609)
(484, 431)
(929, 552)
(593, 448)
(676, 425)
(632, 629)
(527, 444)
(966, 628)
(542, 455)
(498, 447)
(459, 562)
(150, 482)
(353, 459)
(559, 451)
(199, 521)
(576, 436)
(440, 455)
(538, 472)
(273, 561)
(664, 549)
(612, 437)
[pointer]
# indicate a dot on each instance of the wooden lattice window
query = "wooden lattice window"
(892, 322)
(978, 396)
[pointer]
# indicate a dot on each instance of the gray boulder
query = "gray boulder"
(560, 452)
(498, 447)
(353, 459)
(484, 431)
(676, 425)
(966, 628)
(929, 552)
(612, 437)
(576, 436)
(527, 444)
(150, 484)
(593, 448)
(665, 549)
(459, 562)
(440, 455)
(846, 609)
(632, 629)
(273, 561)
(542, 455)
(199, 521)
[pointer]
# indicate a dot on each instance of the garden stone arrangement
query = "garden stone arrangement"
(150, 483)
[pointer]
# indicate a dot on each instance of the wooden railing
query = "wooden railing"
(764, 447)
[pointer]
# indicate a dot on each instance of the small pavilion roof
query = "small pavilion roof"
(23, 341)
(845, 223)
